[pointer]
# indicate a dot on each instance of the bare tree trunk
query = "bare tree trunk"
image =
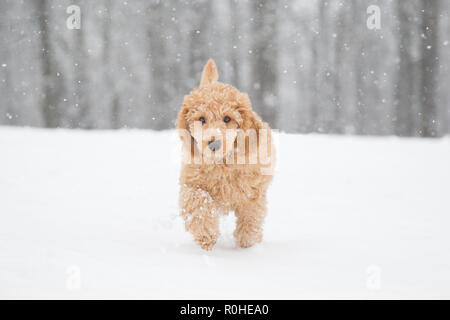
(160, 76)
(359, 116)
(51, 86)
(82, 102)
(200, 21)
(7, 115)
(405, 86)
(314, 70)
(235, 28)
(115, 116)
(340, 42)
(264, 61)
(319, 60)
(430, 59)
(408, 83)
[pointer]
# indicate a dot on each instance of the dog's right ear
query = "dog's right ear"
(187, 139)
(210, 73)
(181, 122)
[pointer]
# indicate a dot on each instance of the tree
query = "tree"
(407, 88)
(264, 59)
(51, 86)
(430, 60)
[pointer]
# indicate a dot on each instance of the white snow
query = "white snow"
(94, 215)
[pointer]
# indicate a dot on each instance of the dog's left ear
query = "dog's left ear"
(209, 74)
(250, 120)
(181, 123)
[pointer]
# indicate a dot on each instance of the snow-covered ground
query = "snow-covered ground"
(94, 215)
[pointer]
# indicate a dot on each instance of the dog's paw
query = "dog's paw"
(205, 230)
(206, 242)
(246, 240)
(246, 243)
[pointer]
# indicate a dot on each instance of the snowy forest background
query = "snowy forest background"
(308, 65)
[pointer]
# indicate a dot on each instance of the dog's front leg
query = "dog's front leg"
(201, 216)
(249, 224)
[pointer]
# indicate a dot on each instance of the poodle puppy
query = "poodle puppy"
(227, 164)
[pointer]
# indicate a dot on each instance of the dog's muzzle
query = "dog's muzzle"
(214, 145)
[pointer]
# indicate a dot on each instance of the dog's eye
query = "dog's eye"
(227, 119)
(202, 120)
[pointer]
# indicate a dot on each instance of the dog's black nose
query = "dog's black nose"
(214, 145)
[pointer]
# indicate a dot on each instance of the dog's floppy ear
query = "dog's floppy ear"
(184, 133)
(181, 123)
(250, 120)
(252, 126)
(209, 74)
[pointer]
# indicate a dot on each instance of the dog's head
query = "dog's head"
(213, 114)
